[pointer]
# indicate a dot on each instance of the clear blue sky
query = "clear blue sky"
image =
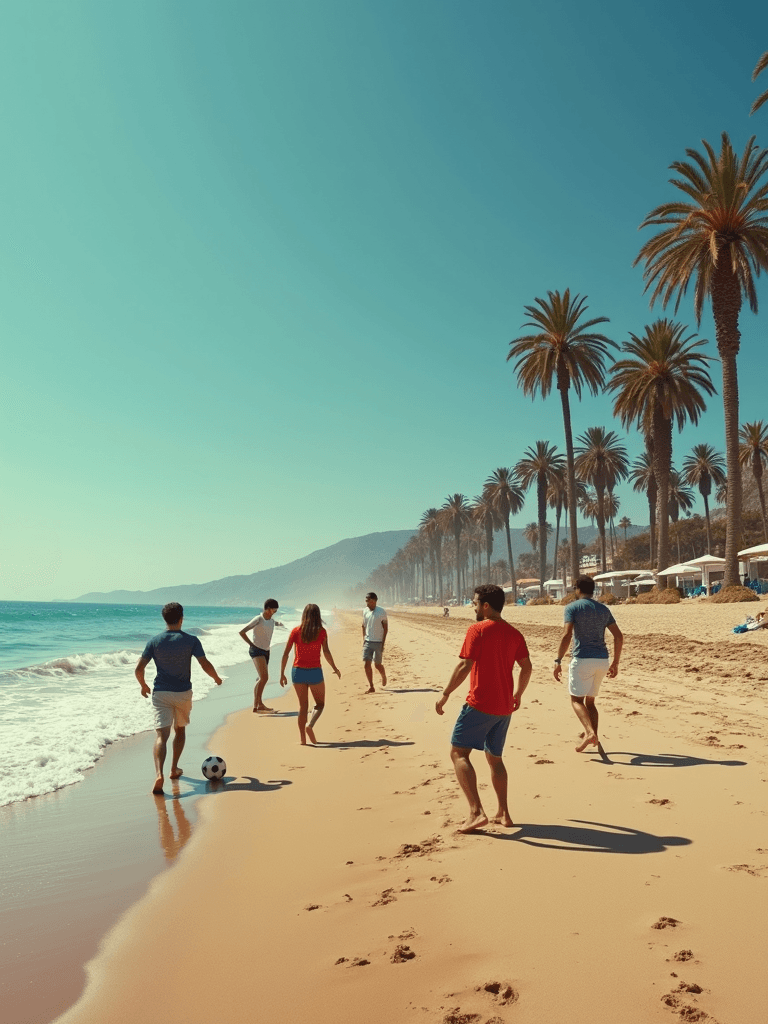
(261, 261)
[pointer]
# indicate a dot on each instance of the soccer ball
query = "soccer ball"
(214, 768)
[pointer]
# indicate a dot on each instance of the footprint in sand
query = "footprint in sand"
(666, 922)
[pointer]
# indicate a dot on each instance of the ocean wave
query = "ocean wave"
(74, 665)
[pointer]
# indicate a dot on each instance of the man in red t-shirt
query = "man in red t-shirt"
(490, 651)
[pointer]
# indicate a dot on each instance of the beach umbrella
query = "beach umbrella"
(757, 550)
(681, 569)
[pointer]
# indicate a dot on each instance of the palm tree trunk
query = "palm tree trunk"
(558, 513)
(563, 383)
(489, 547)
(542, 496)
(757, 473)
(726, 304)
(705, 496)
(458, 566)
(662, 463)
(511, 563)
(600, 488)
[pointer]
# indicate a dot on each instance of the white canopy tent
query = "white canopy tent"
(555, 589)
(758, 551)
(619, 578)
(709, 564)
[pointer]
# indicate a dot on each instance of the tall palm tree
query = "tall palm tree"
(601, 461)
(680, 500)
(557, 496)
(508, 498)
(611, 506)
(431, 526)
(564, 352)
(702, 468)
(644, 482)
(662, 381)
(454, 513)
(540, 464)
(624, 524)
(720, 240)
(483, 512)
(761, 65)
(753, 452)
(531, 534)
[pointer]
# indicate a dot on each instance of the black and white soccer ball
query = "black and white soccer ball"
(214, 767)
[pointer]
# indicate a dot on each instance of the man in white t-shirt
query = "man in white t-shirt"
(258, 647)
(375, 627)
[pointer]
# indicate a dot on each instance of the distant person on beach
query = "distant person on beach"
(446, 612)
(491, 649)
(309, 639)
(375, 629)
(262, 627)
(586, 621)
(172, 652)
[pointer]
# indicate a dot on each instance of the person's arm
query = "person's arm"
(244, 634)
(284, 662)
(565, 643)
(209, 670)
(618, 643)
(458, 676)
(385, 627)
(329, 657)
(139, 673)
(523, 678)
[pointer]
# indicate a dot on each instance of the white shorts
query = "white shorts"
(171, 708)
(585, 676)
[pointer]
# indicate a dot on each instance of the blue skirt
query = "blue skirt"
(308, 676)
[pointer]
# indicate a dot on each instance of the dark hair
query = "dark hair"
(173, 613)
(271, 603)
(311, 624)
(586, 585)
(489, 593)
(371, 595)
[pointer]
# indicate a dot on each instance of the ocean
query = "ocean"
(67, 688)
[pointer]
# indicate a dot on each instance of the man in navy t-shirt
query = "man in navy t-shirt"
(172, 653)
(586, 621)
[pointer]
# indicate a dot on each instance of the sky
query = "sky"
(262, 260)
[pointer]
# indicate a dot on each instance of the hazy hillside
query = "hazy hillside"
(322, 577)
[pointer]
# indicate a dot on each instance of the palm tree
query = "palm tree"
(454, 514)
(644, 482)
(569, 354)
(662, 381)
(611, 506)
(508, 499)
(753, 452)
(601, 461)
(703, 467)
(484, 513)
(540, 464)
(431, 526)
(557, 496)
(624, 524)
(761, 65)
(720, 239)
(531, 534)
(680, 500)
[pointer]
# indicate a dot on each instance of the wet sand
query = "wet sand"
(631, 890)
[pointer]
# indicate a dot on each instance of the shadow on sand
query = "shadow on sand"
(664, 760)
(367, 743)
(600, 838)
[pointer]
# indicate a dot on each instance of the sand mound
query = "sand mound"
(669, 596)
(731, 595)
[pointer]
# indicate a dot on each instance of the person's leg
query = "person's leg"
(368, 671)
(161, 742)
(302, 692)
(318, 695)
(262, 670)
(499, 780)
(465, 773)
(377, 660)
(577, 703)
(179, 739)
(594, 716)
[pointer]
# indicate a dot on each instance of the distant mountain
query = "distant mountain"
(322, 577)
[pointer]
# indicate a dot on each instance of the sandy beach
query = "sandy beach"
(331, 885)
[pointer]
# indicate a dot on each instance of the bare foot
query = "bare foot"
(264, 707)
(176, 773)
(586, 742)
(473, 821)
(502, 819)
(370, 690)
(311, 734)
(157, 789)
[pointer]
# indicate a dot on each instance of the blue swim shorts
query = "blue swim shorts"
(478, 731)
(307, 676)
(258, 652)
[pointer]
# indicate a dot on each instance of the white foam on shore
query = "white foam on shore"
(58, 717)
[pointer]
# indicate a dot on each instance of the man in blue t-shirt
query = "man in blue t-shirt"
(586, 621)
(172, 653)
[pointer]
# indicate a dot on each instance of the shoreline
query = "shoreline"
(75, 859)
(356, 841)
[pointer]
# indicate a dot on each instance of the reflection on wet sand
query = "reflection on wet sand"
(172, 839)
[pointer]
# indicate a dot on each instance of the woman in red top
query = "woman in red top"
(309, 639)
